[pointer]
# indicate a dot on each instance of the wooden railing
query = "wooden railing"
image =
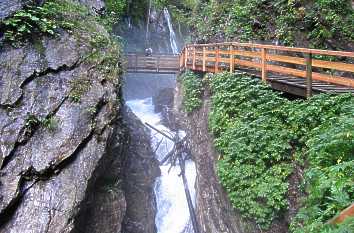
(270, 59)
(347, 213)
(156, 63)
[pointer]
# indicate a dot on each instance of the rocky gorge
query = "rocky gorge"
(63, 143)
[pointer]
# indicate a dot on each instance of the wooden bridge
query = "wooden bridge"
(298, 71)
(158, 63)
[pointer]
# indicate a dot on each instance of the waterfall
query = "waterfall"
(172, 208)
(173, 39)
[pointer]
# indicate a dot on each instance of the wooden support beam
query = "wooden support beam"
(217, 58)
(264, 65)
(194, 58)
(185, 57)
(231, 49)
(308, 59)
(136, 62)
(204, 58)
(158, 64)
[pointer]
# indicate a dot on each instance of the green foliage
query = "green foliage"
(324, 23)
(261, 135)
(78, 88)
(50, 123)
(329, 178)
(247, 121)
(192, 90)
(31, 122)
(35, 21)
(114, 12)
(24, 24)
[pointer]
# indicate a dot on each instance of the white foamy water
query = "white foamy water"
(172, 208)
(173, 39)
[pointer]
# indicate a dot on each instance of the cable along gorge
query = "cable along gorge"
(163, 116)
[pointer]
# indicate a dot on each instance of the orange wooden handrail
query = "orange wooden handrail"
(217, 57)
(347, 213)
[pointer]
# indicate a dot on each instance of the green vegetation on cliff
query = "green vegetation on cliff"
(315, 23)
(192, 90)
(266, 141)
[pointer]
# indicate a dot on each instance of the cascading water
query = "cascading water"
(173, 39)
(172, 208)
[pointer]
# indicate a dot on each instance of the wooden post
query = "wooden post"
(136, 62)
(231, 50)
(264, 65)
(193, 57)
(185, 57)
(308, 59)
(181, 60)
(217, 60)
(204, 59)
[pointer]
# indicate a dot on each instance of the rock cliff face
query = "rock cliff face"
(61, 135)
(140, 171)
(214, 211)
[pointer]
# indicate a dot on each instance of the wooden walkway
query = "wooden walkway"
(298, 71)
(157, 63)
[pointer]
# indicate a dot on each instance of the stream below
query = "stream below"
(172, 215)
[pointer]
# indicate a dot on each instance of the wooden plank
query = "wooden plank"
(286, 59)
(315, 76)
(333, 65)
(333, 79)
(284, 48)
(248, 53)
(248, 63)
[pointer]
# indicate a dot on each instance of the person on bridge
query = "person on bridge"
(148, 52)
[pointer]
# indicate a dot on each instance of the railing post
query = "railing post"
(181, 60)
(193, 57)
(217, 60)
(136, 62)
(231, 50)
(186, 57)
(158, 64)
(204, 58)
(308, 59)
(264, 65)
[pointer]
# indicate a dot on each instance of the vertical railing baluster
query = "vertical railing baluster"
(231, 50)
(181, 60)
(136, 62)
(217, 60)
(308, 59)
(194, 57)
(186, 58)
(158, 64)
(204, 58)
(264, 65)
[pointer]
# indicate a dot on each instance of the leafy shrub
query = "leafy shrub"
(329, 178)
(27, 23)
(323, 23)
(246, 119)
(192, 90)
(261, 136)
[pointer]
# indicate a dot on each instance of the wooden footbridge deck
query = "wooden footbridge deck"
(157, 63)
(298, 71)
